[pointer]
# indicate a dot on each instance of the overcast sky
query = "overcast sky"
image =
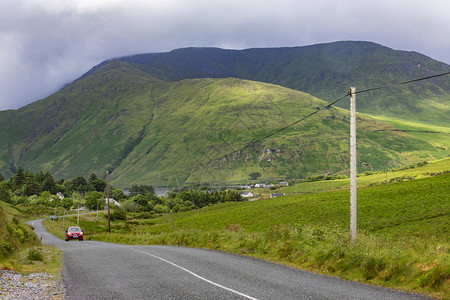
(47, 43)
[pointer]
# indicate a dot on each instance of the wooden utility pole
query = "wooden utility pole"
(64, 216)
(107, 197)
(387, 169)
(353, 227)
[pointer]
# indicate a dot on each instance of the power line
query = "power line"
(306, 117)
(328, 106)
(401, 83)
(331, 104)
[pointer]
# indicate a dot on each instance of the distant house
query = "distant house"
(283, 183)
(60, 195)
(246, 194)
(263, 185)
(112, 201)
(274, 195)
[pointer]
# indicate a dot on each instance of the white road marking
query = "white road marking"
(196, 275)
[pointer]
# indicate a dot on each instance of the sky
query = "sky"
(45, 44)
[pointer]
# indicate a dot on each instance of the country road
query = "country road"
(98, 270)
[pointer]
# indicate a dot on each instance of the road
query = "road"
(98, 270)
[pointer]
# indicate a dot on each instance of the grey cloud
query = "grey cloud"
(47, 43)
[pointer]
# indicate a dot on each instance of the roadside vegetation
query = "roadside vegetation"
(403, 238)
(20, 249)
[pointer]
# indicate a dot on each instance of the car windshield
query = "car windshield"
(74, 229)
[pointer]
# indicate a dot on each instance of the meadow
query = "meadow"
(416, 171)
(403, 232)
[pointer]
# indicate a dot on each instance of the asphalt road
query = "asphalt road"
(98, 270)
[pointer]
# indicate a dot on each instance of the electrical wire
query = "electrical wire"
(400, 83)
(304, 118)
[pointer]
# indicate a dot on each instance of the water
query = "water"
(161, 191)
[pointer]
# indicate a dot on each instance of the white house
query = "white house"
(111, 201)
(263, 185)
(246, 194)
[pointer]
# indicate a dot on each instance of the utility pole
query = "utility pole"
(353, 226)
(107, 197)
(387, 169)
(64, 216)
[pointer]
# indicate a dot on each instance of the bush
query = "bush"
(35, 254)
(118, 214)
(146, 215)
(159, 209)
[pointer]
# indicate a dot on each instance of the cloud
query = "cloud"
(47, 43)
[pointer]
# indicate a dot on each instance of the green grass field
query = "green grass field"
(431, 168)
(403, 238)
(20, 249)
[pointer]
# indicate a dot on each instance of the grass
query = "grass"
(169, 133)
(35, 259)
(403, 239)
(20, 249)
(371, 178)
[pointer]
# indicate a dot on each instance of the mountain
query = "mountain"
(325, 71)
(143, 127)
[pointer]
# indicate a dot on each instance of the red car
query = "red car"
(74, 233)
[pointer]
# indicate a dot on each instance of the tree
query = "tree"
(45, 198)
(77, 184)
(17, 180)
(141, 189)
(97, 184)
(5, 192)
(254, 175)
(94, 199)
(93, 177)
(67, 202)
(32, 187)
(118, 194)
(129, 205)
(77, 200)
(141, 201)
(48, 183)
(118, 213)
(2, 178)
(40, 177)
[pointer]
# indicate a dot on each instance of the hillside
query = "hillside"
(402, 241)
(146, 130)
(15, 235)
(325, 71)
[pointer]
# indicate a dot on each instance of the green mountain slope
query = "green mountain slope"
(145, 130)
(325, 71)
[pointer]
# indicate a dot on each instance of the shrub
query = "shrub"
(159, 209)
(146, 215)
(118, 214)
(35, 254)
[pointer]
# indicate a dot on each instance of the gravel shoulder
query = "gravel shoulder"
(33, 286)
